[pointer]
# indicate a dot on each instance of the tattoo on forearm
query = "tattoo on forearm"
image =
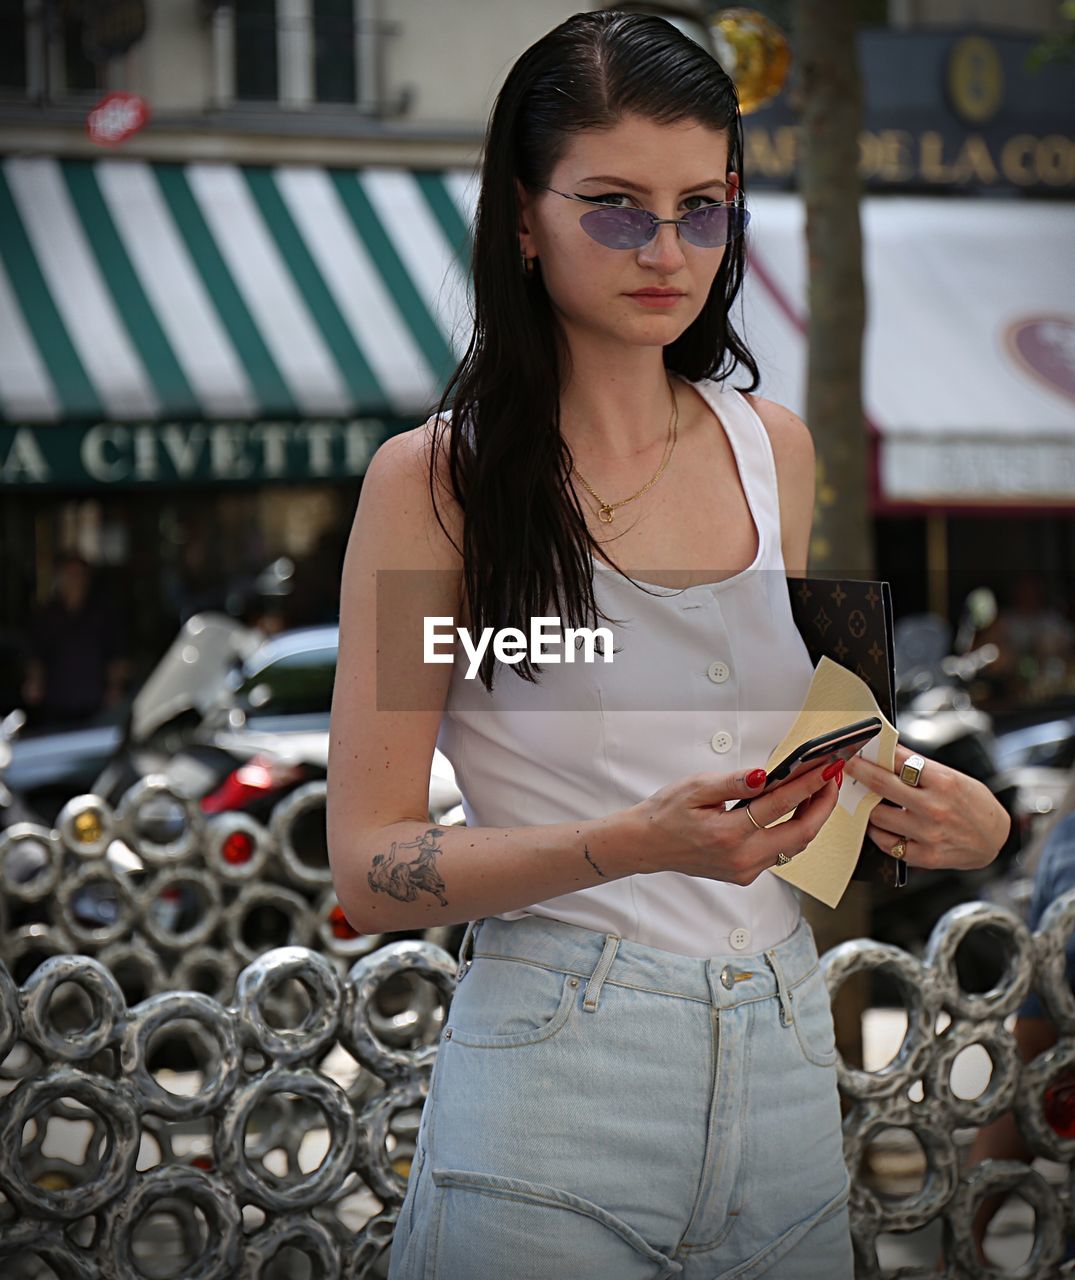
(403, 880)
(593, 864)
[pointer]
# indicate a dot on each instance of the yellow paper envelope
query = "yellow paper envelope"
(836, 697)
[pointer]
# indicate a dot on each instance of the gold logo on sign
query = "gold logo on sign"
(975, 79)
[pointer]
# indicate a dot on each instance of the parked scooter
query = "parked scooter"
(936, 675)
(13, 808)
(185, 725)
(160, 736)
(936, 716)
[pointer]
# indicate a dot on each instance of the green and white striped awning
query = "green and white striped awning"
(209, 323)
(178, 292)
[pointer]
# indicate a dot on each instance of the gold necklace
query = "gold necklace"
(608, 509)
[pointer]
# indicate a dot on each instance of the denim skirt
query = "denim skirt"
(605, 1110)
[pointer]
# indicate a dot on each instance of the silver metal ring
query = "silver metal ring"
(266, 975)
(249, 1178)
(216, 1026)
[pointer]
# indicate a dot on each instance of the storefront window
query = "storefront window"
(79, 73)
(256, 70)
(159, 556)
(12, 48)
(334, 50)
(293, 52)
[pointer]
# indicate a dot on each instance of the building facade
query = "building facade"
(211, 321)
(212, 324)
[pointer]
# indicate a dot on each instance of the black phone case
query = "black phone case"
(802, 754)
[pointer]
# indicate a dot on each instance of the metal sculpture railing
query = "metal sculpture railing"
(206, 1110)
(880, 1100)
(187, 899)
(264, 1088)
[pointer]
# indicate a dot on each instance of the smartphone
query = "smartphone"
(840, 744)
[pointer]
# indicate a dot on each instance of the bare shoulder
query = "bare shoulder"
(396, 495)
(788, 434)
(404, 457)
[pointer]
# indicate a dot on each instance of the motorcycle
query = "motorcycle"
(13, 808)
(937, 679)
(191, 727)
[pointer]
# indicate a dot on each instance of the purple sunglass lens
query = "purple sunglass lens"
(715, 225)
(618, 228)
(631, 228)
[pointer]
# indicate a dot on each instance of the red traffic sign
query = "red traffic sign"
(116, 117)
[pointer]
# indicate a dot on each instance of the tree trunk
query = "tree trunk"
(828, 95)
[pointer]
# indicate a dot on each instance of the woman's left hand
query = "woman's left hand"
(948, 819)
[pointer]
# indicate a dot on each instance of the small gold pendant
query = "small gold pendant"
(606, 513)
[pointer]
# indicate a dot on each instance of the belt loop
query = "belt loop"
(597, 978)
(782, 991)
(468, 941)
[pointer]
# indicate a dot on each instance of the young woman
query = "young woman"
(637, 1072)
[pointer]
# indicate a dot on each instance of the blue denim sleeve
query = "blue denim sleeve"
(1054, 877)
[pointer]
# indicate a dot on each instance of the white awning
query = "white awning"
(969, 353)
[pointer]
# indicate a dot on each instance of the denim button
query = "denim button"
(727, 976)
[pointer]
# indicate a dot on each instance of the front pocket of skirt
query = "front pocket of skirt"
(507, 1004)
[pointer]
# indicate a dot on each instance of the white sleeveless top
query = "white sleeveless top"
(704, 679)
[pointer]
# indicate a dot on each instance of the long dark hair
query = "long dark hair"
(525, 538)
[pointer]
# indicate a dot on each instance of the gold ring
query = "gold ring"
(911, 772)
(899, 849)
(753, 819)
(782, 859)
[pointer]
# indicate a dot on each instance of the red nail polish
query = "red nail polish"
(831, 770)
(755, 777)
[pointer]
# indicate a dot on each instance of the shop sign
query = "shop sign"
(982, 469)
(942, 112)
(166, 454)
(928, 158)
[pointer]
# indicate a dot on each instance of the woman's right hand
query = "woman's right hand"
(685, 826)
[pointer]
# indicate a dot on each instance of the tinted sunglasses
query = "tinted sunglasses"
(618, 227)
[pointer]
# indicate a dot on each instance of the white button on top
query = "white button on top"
(740, 939)
(718, 672)
(721, 741)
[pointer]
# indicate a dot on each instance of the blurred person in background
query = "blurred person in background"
(198, 582)
(77, 664)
